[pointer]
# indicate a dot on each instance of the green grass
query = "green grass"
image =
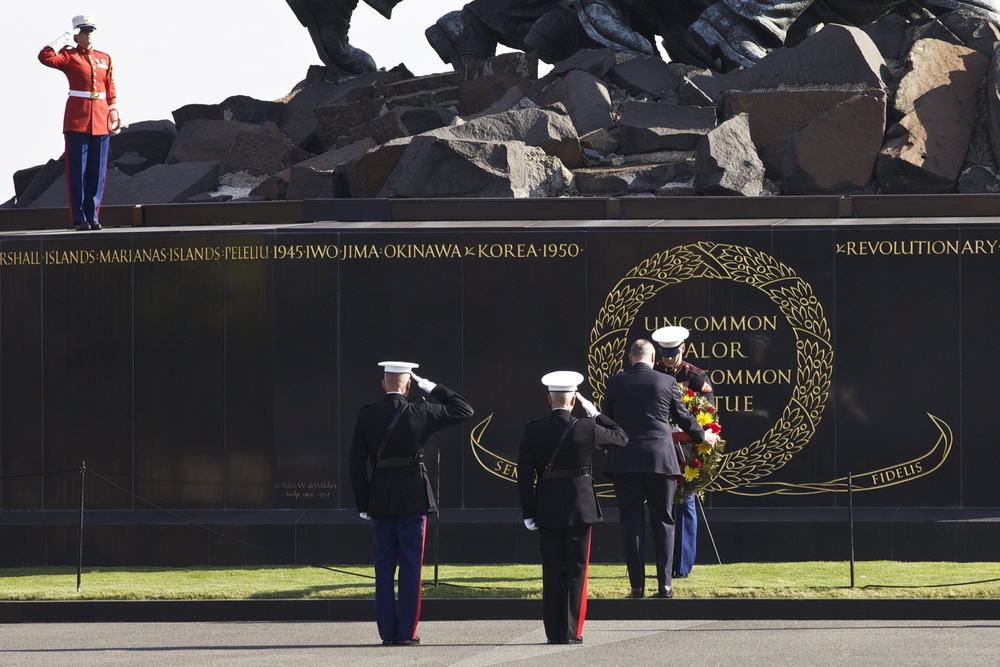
(873, 579)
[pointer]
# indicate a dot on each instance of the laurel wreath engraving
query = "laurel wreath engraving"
(793, 297)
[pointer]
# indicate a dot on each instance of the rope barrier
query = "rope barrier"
(85, 471)
(88, 471)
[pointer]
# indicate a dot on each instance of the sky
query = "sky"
(166, 55)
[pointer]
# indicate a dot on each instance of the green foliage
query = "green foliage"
(873, 579)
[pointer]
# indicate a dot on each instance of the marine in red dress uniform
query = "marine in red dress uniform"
(90, 119)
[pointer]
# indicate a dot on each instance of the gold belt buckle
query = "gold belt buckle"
(95, 95)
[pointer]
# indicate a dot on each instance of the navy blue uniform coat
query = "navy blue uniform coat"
(401, 490)
(557, 503)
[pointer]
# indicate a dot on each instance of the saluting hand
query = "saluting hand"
(59, 42)
(587, 406)
(425, 384)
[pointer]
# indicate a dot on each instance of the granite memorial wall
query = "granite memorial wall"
(222, 370)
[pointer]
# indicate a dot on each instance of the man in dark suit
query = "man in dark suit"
(671, 343)
(559, 451)
(644, 402)
(391, 487)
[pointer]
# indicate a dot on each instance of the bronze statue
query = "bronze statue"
(328, 22)
(738, 33)
(718, 34)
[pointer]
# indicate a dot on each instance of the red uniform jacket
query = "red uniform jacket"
(88, 72)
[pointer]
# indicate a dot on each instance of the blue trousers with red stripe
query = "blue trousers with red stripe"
(399, 542)
(565, 561)
(86, 167)
(685, 535)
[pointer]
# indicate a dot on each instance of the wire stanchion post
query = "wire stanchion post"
(850, 519)
(79, 560)
(437, 517)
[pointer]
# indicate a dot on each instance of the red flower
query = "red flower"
(697, 463)
(690, 392)
(714, 428)
(710, 408)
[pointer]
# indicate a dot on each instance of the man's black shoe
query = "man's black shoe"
(666, 592)
(81, 226)
(95, 226)
(388, 642)
(637, 593)
(575, 640)
(408, 642)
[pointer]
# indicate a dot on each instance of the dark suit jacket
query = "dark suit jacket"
(405, 489)
(643, 401)
(562, 502)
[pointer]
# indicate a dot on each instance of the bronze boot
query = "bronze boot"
(460, 38)
(383, 7)
(328, 22)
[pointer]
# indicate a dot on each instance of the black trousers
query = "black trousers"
(655, 491)
(565, 560)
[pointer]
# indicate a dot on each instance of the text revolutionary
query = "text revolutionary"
(892, 248)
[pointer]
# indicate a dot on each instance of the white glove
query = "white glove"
(364, 515)
(587, 406)
(423, 383)
(530, 524)
(62, 40)
(115, 121)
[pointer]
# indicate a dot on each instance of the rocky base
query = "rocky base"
(899, 107)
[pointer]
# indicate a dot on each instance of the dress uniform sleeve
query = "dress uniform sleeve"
(526, 478)
(50, 58)
(452, 409)
(109, 86)
(359, 468)
(607, 433)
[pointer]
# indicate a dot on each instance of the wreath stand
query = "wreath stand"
(704, 519)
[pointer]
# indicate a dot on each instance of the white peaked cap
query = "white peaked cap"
(398, 366)
(562, 380)
(670, 338)
(84, 21)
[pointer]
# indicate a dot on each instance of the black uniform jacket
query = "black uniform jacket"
(401, 489)
(643, 401)
(560, 502)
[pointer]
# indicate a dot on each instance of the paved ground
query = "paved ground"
(482, 643)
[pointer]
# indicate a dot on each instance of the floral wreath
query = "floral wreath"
(700, 463)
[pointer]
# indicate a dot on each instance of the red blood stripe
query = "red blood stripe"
(586, 575)
(420, 576)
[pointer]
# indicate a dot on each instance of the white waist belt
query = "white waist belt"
(90, 96)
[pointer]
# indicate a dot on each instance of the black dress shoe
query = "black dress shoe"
(679, 575)
(575, 640)
(636, 593)
(81, 226)
(666, 592)
(95, 226)
(408, 642)
(388, 642)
